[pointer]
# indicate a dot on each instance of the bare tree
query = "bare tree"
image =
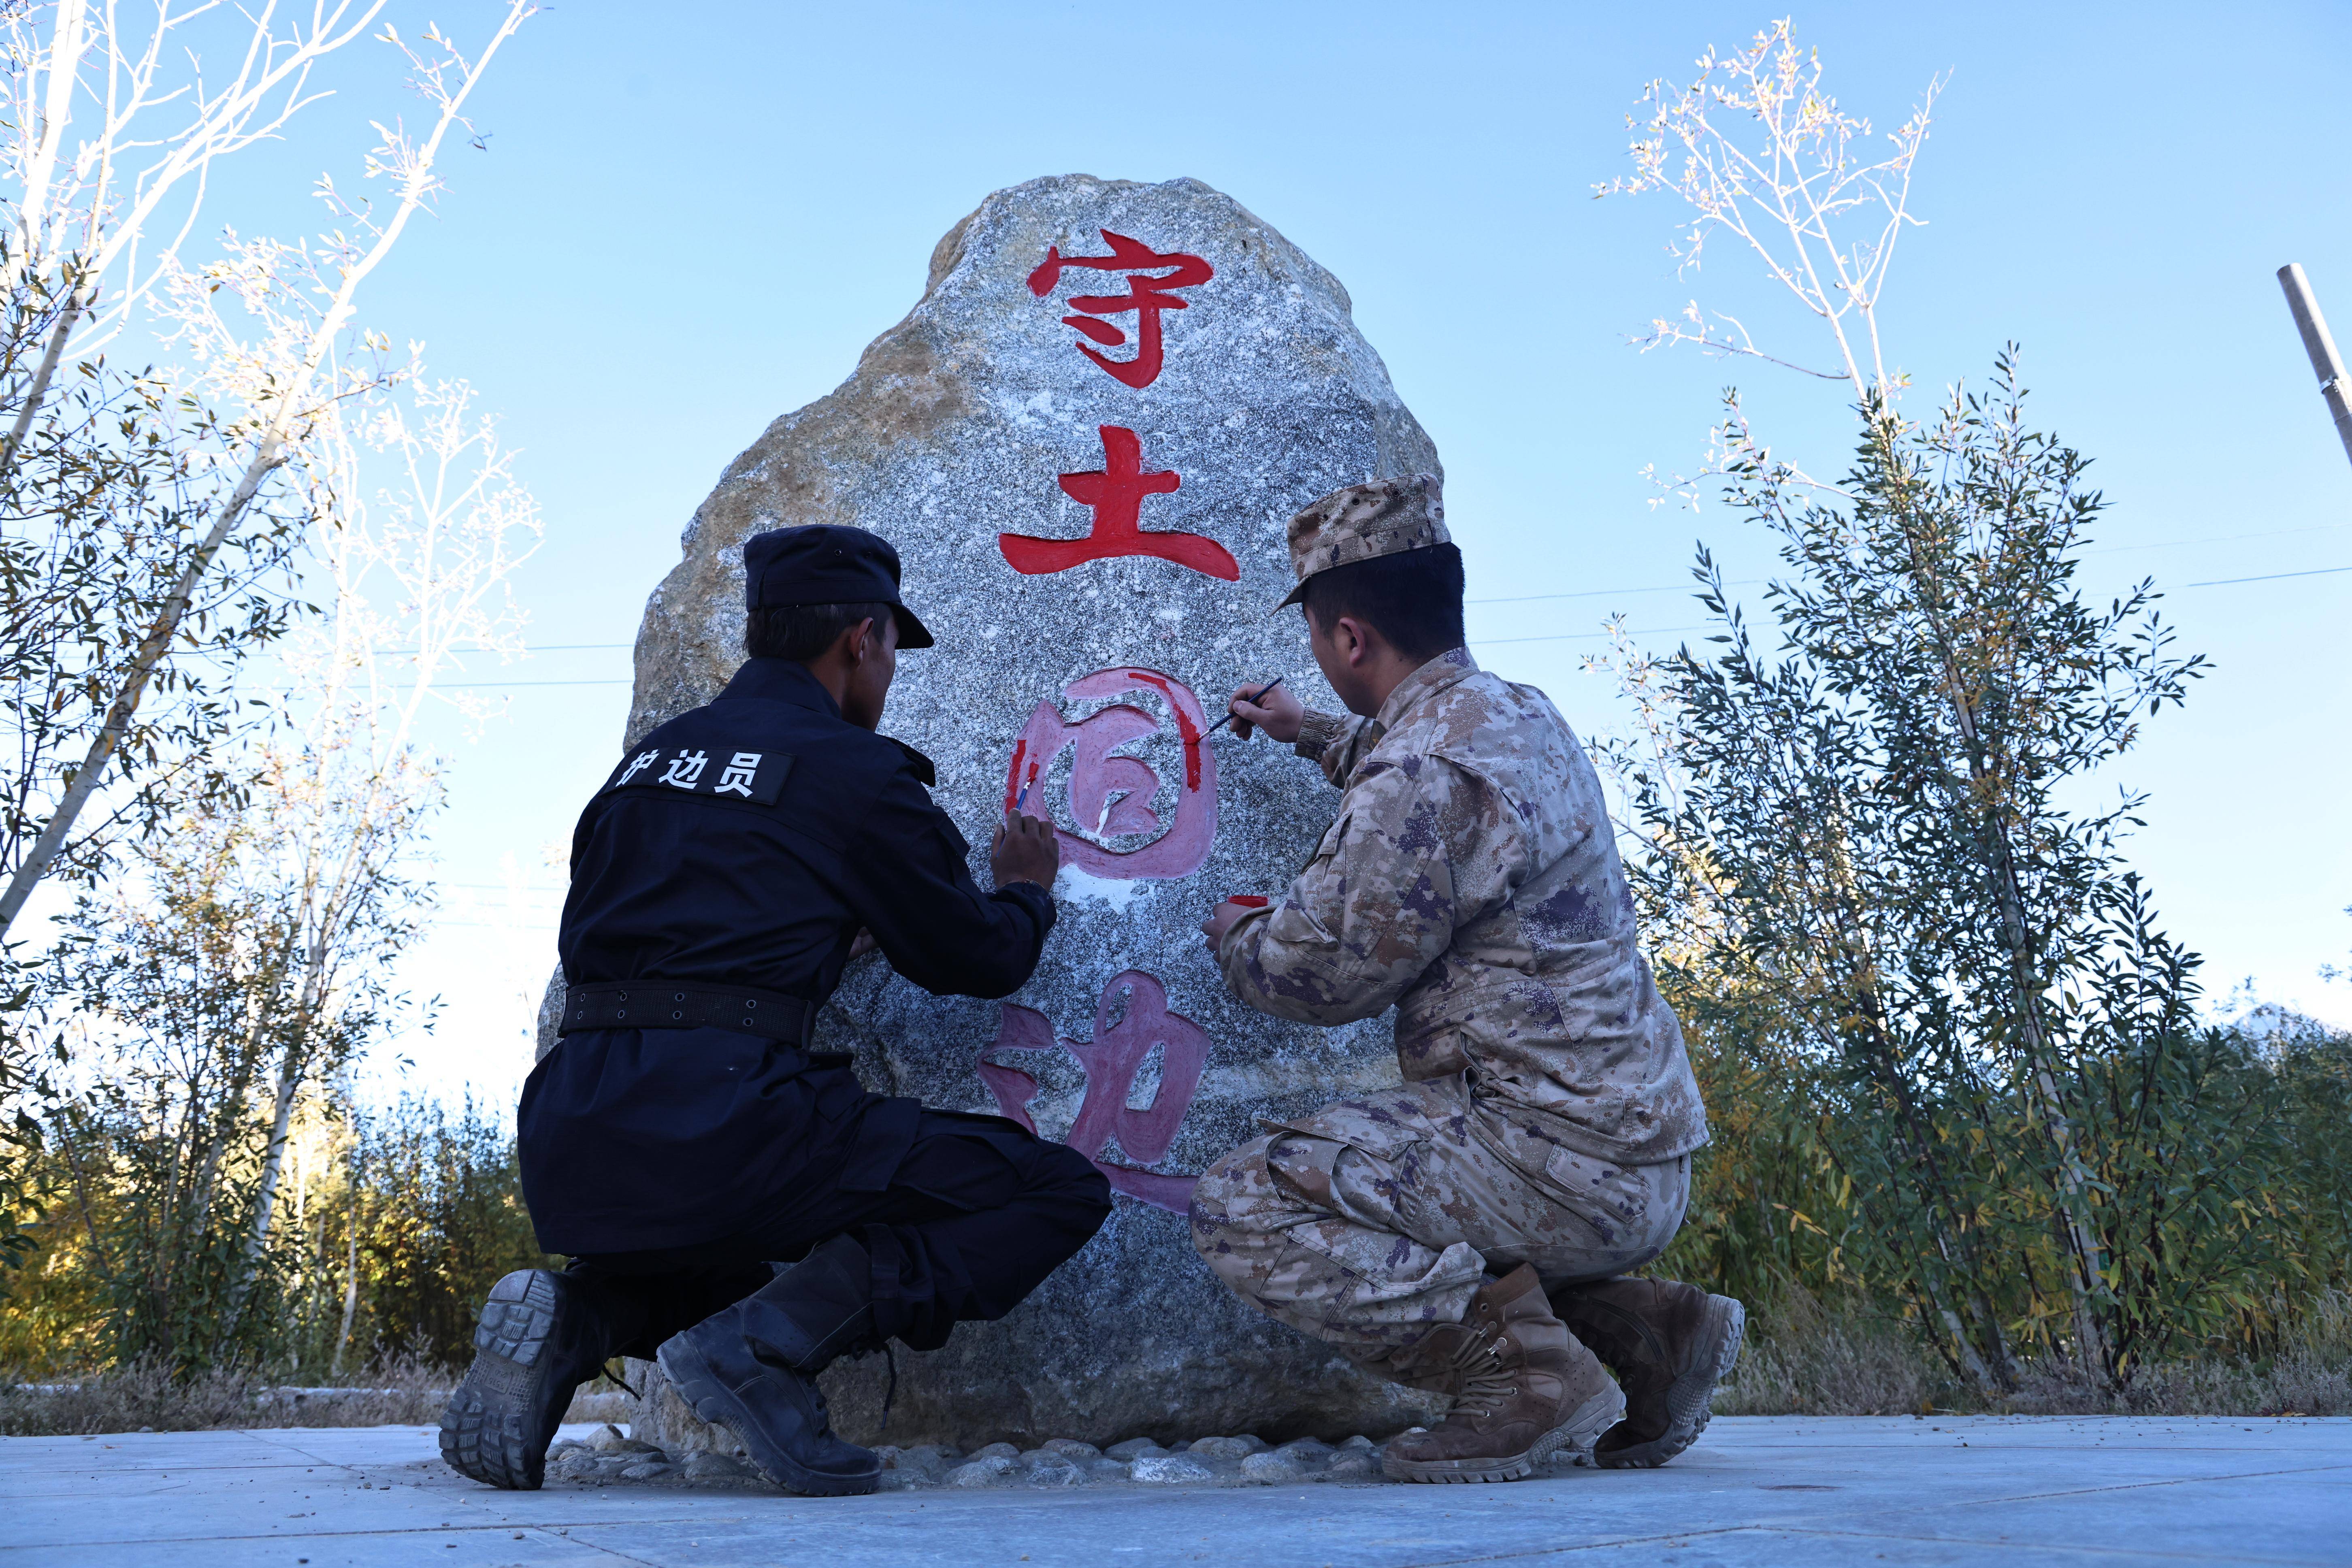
(293, 380)
(419, 568)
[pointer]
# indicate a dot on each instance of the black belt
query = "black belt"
(676, 1005)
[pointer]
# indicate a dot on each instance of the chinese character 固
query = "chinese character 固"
(1110, 794)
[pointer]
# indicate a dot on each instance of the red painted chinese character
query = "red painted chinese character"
(1111, 796)
(1112, 1061)
(1145, 298)
(1115, 493)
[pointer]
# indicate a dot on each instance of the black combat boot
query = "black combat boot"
(542, 1334)
(752, 1370)
(1669, 1344)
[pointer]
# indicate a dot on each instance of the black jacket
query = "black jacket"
(746, 842)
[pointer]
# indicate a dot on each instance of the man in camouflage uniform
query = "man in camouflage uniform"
(1470, 1230)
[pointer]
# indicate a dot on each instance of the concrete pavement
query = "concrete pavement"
(2035, 1493)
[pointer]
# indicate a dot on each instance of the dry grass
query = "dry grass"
(143, 1397)
(1812, 1361)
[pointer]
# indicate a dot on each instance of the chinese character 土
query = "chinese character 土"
(1108, 1125)
(1115, 493)
(637, 764)
(1145, 298)
(1111, 795)
(685, 768)
(738, 775)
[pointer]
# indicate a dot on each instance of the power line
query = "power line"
(502, 685)
(1604, 593)
(1583, 637)
(2109, 550)
(2268, 577)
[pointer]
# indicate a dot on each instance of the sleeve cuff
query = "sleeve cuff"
(1037, 900)
(1316, 732)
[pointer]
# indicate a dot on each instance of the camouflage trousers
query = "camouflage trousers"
(1373, 1220)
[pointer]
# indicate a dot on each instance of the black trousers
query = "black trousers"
(978, 1214)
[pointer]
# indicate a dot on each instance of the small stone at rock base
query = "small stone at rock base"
(1307, 1450)
(716, 1468)
(1072, 1449)
(564, 1446)
(1171, 1470)
(573, 1466)
(930, 1459)
(646, 1471)
(993, 1449)
(1133, 1448)
(987, 1471)
(905, 1480)
(1354, 1464)
(1272, 1469)
(1357, 1441)
(607, 1439)
(1227, 1447)
(888, 1454)
(1106, 1470)
(1053, 1471)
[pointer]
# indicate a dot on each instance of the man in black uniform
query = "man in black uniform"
(683, 1136)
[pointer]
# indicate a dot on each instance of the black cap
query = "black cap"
(826, 563)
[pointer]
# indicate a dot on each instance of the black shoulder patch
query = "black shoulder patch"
(715, 772)
(925, 775)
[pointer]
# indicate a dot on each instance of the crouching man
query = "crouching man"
(682, 1136)
(1470, 1231)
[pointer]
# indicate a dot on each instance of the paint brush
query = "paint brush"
(1254, 698)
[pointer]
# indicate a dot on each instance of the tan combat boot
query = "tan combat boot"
(1669, 1344)
(1524, 1389)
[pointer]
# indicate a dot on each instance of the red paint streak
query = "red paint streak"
(1185, 727)
(1248, 901)
(1013, 778)
(1145, 298)
(1115, 493)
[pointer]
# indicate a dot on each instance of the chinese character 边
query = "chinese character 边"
(685, 768)
(638, 764)
(1145, 298)
(1107, 1129)
(738, 775)
(1115, 494)
(1111, 796)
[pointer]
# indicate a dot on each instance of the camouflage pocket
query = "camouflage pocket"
(1382, 1125)
(1329, 845)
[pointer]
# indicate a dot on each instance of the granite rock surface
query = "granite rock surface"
(1084, 440)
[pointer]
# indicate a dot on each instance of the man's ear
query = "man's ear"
(1354, 640)
(861, 640)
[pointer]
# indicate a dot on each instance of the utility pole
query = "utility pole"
(2326, 363)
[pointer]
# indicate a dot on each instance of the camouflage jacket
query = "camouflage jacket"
(1471, 878)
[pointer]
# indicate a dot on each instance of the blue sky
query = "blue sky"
(690, 220)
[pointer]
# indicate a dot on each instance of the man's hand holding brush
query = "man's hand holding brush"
(1271, 707)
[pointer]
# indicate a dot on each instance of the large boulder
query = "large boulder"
(1085, 441)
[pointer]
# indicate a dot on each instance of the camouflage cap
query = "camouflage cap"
(1381, 517)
